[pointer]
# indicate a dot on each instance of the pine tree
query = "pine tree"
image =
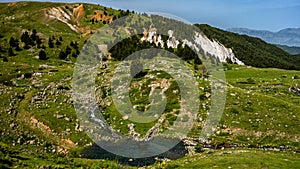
(38, 42)
(57, 43)
(27, 40)
(228, 60)
(33, 36)
(74, 45)
(42, 55)
(10, 52)
(197, 61)
(68, 50)
(18, 48)
(5, 59)
(24, 37)
(50, 43)
(13, 42)
(62, 55)
(74, 55)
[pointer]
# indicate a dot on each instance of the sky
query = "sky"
(272, 15)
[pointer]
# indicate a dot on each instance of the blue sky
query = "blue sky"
(270, 15)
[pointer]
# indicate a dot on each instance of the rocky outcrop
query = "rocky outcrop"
(78, 12)
(61, 15)
(172, 42)
(152, 37)
(214, 48)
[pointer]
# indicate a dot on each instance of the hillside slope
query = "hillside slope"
(253, 51)
(39, 127)
(293, 50)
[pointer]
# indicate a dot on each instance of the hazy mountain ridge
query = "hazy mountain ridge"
(294, 50)
(288, 36)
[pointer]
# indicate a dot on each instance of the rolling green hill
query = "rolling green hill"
(38, 123)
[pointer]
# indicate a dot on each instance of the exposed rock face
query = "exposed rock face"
(71, 14)
(172, 42)
(101, 16)
(214, 48)
(78, 12)
(59, 14)
(152, 37)
(11, 3)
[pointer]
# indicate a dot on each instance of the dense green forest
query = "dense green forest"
(252, 51)
(293, 50)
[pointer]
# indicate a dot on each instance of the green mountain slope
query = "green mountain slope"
(290, 49)
(38, 123)
(253, 51)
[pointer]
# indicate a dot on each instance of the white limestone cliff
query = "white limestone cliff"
(212, 47)
(215, 49)
(59, 14)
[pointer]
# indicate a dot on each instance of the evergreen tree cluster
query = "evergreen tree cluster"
(124, 13)
(52, 41)
(27, 40)
(72, 49)
(31, 40)
(133, 44)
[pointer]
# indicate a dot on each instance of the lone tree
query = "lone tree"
(50, 43)
(5, 59)
(10, 52)
(33, 35)
(62, 55)
(42, 55)
(38, 42)
(13, 42)
(197, 61)
(68, 50)
(57, 43)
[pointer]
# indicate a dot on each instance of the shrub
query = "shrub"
(198, 148)
(296, 77)
(42, 55)
(250, 81)
(234, 111)
(5, 59)
(10, 52)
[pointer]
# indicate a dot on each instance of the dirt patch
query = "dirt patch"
(101, 16)
(41, 125)
(78, 12)
(11, 3)
(63, 142)
(69, 143)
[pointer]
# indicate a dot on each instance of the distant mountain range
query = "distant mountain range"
(289, 36)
